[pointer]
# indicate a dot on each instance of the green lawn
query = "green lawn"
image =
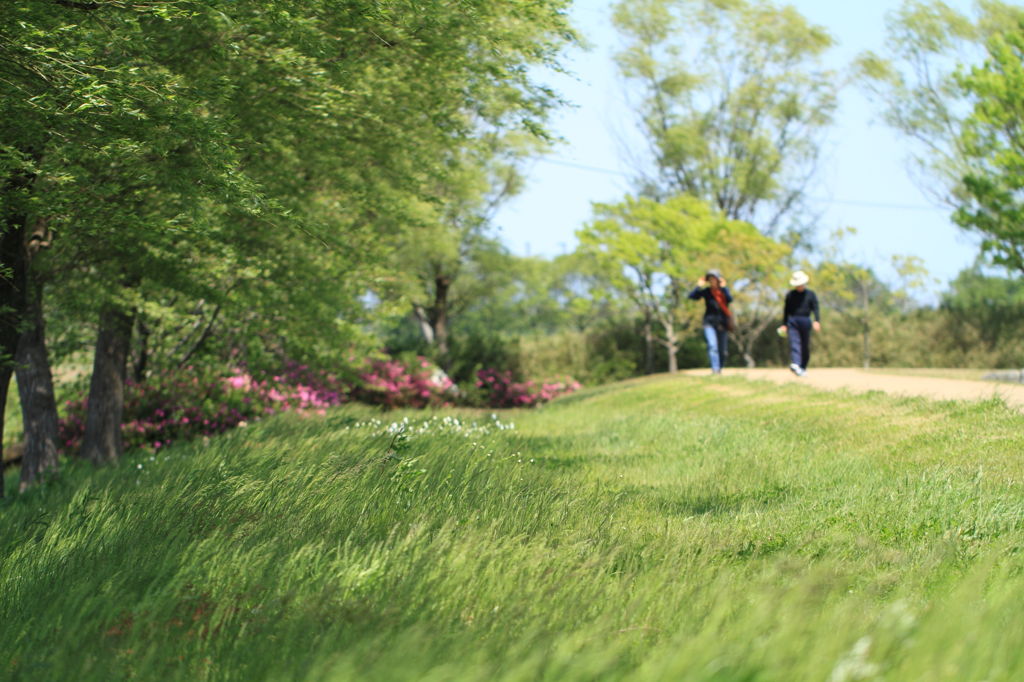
(660, 529)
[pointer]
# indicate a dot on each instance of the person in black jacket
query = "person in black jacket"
(801, 305)
(717, 316)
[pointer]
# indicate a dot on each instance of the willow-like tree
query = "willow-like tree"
(733, 101)
(88, 116)
(175, 147)
(914, 80)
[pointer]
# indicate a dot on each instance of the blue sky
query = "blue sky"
(863, 179)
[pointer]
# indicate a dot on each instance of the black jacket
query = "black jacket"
(801, 304)
(712, 312)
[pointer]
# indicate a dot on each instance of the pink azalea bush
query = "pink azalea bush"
(393, 383)
(184, 405)
(500, 389)
(174, 406)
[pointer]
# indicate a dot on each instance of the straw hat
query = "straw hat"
(799, 279)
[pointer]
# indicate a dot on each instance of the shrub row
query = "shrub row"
(179, 406)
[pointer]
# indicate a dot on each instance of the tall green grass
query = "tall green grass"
(664, 529)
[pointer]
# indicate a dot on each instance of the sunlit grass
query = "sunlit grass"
(662, 529)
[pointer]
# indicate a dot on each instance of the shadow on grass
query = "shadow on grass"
(589, 393)
(553, 451)
(715, 502)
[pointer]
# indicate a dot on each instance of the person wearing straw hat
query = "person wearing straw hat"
(801, 305)
(717, 316)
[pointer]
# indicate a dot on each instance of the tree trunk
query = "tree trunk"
(867, 330)
(38, 402)
(648, 346)
(141, 362)
(747, 340)
(102, 441)
(13, 300)
(424, 321)
(672, 346)
(6, 370)
(867, 346)
(442, 285)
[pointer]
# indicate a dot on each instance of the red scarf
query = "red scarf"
(720, 299)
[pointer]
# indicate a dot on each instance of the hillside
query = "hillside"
(666, 528)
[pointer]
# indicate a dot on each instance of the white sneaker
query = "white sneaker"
(795, 368)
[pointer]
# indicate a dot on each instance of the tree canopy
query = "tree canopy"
(733, 100)
(994, 149)
(236, 169)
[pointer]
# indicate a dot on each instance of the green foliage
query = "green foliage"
(450, 263)
(985, 320)
(527, 314)
(603, 354)
(916, 78)
(649, 252)
(251, 157)
(993, 144)
(859, 315)
(868, 321)
(660, 529)
(477, 345)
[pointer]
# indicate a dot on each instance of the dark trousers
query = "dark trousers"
(799, 332)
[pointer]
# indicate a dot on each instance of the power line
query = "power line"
(823, 200)
(878, 204)
(580, 166)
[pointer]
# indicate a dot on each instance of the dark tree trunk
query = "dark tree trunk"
(141, 362)
(867, 329)
(6, 371)
(648, 346)
(866, 343)
(671, 344)
(102, 441)
(38, 403)
(442, 285)
(13, 300)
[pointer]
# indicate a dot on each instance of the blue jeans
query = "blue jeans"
(718, 346)
(799, 332)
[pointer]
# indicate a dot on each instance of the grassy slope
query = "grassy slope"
(684, 529)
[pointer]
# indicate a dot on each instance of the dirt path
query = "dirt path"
(859, 381)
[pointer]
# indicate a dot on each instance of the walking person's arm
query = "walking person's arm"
(816, 325)
(785, 312)
(698, 291)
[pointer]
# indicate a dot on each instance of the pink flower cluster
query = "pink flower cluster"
(183, 405)
(393, 384)
(175, 406)
(501, 390)
(297, 388)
